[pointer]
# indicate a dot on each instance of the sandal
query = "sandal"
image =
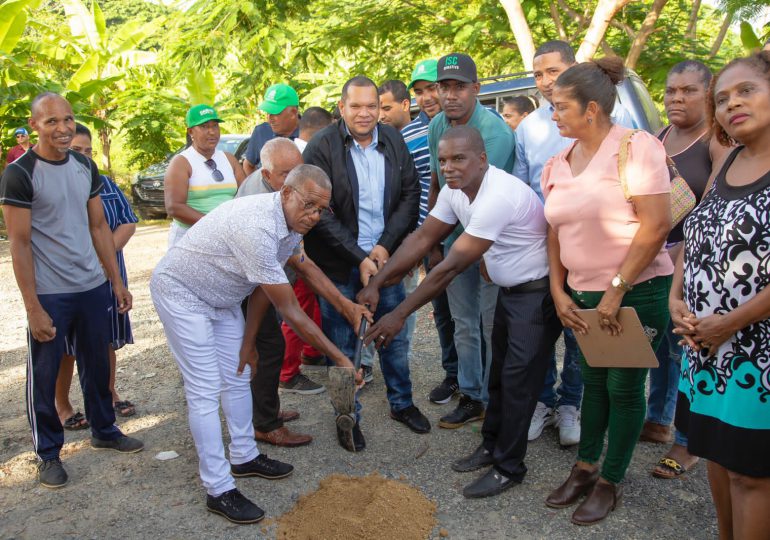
(76, 422)
(124, 408)
(672, 468)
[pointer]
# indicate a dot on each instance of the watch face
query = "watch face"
(616, 281)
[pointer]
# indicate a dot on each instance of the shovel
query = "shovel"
(342, 391)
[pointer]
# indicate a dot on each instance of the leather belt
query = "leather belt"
(542, 284)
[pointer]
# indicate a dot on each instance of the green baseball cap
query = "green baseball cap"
(200, 114)
(278, 97)
(424, 71)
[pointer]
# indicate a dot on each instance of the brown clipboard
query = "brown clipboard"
(631, 349)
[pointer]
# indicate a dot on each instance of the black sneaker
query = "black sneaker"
(262, 466)
(368, 373)
(233, 506)
(51, 473)
(123, 444)
(467, 410)
(443, 392)
(413, 418)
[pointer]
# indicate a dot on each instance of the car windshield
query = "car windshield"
(228, 145)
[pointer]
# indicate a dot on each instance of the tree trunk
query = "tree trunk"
(104, 137)
(603, 14)
(692, 24)
(556, 16)
(637, 46)
(521, 31)
(721, 36)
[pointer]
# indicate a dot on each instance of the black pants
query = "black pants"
(525, 330)
(84, 315)
(264, 385)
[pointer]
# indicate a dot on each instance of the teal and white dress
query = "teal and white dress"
(727, 263)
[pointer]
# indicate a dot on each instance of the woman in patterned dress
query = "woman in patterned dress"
(720, 304)
(122, 222)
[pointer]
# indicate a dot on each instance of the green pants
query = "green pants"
(613, 398)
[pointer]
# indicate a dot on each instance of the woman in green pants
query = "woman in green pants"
(609, 253)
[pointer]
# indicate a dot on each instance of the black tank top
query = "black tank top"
(694, 164)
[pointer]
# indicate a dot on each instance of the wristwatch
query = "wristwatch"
(619, 283)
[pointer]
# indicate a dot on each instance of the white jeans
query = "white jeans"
(206, 351)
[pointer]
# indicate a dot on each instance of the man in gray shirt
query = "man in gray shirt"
(59, 236)
(237, 250)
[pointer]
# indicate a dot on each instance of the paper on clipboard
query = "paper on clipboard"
(631, 349)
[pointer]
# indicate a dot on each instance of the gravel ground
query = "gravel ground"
(137, 496)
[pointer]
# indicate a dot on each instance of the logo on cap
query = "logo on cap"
(204, 112)
(450, 61)
(270, 94)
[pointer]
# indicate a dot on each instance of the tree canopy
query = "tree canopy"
(131, 69)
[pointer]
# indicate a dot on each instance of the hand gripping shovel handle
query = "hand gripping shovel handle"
(359, 344)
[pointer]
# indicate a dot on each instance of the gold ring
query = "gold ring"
(605, 321)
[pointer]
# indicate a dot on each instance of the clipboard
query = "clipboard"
(631, 349)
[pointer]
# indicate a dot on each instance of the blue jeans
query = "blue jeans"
(472, 300)
(664, 381)
(570, 391)
(394, 362)
(445, 328)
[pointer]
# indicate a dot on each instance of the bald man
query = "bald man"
(504, 224)
(59, 237)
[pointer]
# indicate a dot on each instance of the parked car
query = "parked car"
(147, 186)
(632, 93)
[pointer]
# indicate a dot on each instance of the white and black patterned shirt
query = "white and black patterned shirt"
(238, 246)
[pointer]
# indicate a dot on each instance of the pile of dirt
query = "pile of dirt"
(352, 508)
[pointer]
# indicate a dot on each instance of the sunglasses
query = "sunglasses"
(216, 174)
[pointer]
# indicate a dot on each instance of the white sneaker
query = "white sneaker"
(568, 422)
(542, 417)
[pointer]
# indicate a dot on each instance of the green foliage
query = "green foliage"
(131, 69)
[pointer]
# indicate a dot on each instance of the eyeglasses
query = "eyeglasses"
(311, 208)
(216, 174)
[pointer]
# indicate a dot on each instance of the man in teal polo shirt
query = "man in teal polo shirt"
(471, 297)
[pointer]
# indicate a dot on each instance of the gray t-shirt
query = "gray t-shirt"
(236, 247)
(57, 194)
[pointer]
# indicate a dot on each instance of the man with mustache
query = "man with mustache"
(471, 296)
(281, 105)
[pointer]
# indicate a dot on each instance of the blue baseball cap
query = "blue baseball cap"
(20, 131)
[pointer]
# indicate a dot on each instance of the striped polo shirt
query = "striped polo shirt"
(415, 135)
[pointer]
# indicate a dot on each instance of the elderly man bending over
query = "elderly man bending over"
(237, 250)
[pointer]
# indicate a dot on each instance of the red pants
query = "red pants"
(294, 345)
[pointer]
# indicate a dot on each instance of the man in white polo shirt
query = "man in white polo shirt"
(503, 223)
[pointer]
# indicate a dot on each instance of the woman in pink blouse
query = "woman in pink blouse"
(604, 253)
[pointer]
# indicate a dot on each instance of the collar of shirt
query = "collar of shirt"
(265, 182)
(373, 144)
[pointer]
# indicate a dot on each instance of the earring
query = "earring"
(590, 120)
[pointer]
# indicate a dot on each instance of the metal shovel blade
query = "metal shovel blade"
(342, 389)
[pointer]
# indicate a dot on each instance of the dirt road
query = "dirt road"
(137, 496)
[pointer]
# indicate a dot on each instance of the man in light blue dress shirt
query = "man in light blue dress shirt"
(537, 140)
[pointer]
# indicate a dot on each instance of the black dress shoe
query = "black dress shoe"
(344, 438)
(481, 457)
(493, 482)
(413, 418)
(234, 507)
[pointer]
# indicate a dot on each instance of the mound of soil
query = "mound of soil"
(353, 508)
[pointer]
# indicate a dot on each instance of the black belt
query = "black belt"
(541, 284)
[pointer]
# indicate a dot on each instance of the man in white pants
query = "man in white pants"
(237, 250)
